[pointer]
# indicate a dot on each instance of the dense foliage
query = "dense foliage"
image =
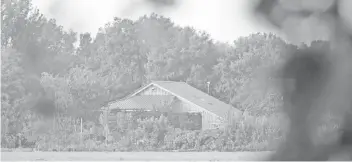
(48, 84)
(149, 135)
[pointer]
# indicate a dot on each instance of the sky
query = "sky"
(224, 20)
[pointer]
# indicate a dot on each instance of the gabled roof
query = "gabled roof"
(145, 102)
(186, 92)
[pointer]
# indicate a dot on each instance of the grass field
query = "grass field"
(135, 156)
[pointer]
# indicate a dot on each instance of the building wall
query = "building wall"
(209, 120)
(152, 90)
(177, 106)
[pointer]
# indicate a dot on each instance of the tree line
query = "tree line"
(44, 73)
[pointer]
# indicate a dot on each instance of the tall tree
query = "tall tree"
(238, 70)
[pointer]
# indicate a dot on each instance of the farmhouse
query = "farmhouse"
(178, 97)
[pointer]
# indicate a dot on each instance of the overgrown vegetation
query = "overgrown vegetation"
(39, 57)
(149, 135)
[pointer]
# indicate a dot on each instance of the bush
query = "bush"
(248, 133)
(148, 135)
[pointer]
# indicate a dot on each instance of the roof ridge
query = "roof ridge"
(204, 93)
(165, 81)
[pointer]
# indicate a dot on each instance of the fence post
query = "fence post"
(81, 129)
(106, 125)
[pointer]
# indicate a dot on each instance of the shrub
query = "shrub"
(247, 134)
